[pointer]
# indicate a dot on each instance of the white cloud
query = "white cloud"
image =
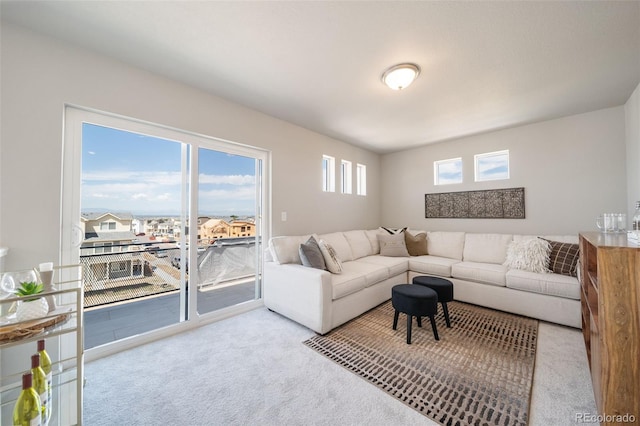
(227, 179)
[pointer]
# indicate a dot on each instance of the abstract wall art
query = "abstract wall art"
(486, 204)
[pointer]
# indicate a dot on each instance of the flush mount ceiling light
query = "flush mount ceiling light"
(400, 76)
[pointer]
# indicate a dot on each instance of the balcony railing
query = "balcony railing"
(133, 271)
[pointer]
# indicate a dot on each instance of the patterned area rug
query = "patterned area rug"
(479, 373)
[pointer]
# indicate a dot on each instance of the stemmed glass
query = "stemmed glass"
(9, 284)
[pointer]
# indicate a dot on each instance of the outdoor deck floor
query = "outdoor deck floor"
(109, 323)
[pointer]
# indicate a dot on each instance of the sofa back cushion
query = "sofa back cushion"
(445, 244)
(340, 244)
(359, 243)
(372, 235)
(286, 249)
(486, 248)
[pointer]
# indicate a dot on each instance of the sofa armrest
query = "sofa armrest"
(300, 293)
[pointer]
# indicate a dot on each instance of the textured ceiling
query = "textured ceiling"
(485, 65)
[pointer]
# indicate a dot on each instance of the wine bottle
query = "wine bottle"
(45, 364)
(40, 385)
(27, 411)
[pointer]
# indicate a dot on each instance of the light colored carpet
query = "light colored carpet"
(254, 369)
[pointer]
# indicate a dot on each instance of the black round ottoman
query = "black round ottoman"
(444, 289)
(415, 301)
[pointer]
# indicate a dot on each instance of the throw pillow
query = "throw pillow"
(393, 245)
(563, 258)
(393, 231)
(330, 257)
(311, 255)
(416, 245)
(529, 255)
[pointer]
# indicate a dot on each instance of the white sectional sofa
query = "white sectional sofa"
(322, 300)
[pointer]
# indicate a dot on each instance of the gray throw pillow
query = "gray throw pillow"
(393, 245)
(311, 255)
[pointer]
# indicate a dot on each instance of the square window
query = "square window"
(492, 166)
(447, 171)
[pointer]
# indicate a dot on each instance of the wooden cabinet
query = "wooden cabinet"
(610, 283)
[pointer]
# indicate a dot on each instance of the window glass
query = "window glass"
(345, 171)
(361, 179)
(492, 166)
(447, 171)
(328, 173)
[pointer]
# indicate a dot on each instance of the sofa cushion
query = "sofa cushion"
(445, 244)
(487, 273)
(551, 284)
(432, 265)
(416, 244)
(393, 245)
(286, 249)
(347, 283)
(340, 244)
(359, 242)
(372, 235)
(563, 258)
(311, 255)
(529, 255)
(395, 265)
(331, 259)
(486, 248)
(371, 272)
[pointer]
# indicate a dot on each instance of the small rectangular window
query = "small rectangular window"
(346, 172)
(447, 171)
(492, 166)
(361, 179)
(328, 173)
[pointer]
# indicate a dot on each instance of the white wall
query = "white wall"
(572, 169)
(39, 76)
(632, 130)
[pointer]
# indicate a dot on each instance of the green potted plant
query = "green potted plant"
(31, 306)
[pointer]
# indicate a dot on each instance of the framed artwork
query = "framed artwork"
(486, 204)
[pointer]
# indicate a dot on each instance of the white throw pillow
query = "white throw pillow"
(529, 255)
(334, 265)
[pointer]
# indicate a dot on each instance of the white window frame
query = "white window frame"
(361, 179)
(106, 225)
(72, 235)
(440, 168)
(328, 173)
(481, 161)
(346, 173)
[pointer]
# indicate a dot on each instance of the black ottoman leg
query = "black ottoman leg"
(408, 329)
(395, 319)
(433, 325)
(446, 314)
(419, 319)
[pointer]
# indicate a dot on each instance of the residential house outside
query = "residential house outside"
(214, 229)
(106, 234)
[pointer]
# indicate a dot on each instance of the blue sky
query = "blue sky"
(130, 172)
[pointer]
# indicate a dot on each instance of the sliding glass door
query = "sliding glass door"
(229, 243)
(168, 225)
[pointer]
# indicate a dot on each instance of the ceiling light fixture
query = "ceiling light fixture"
(400, 76)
